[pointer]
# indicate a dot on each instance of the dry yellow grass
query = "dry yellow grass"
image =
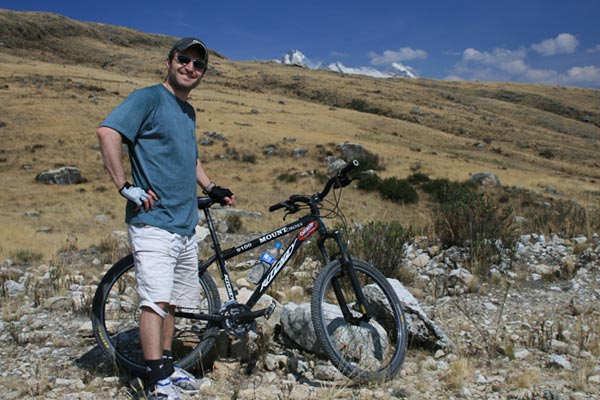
(50, 111)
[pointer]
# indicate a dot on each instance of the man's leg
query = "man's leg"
(168, 329)
(155, 257)
(152, 332)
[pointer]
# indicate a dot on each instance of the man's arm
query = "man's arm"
(202, 178)
(111, 145)
(225, 196)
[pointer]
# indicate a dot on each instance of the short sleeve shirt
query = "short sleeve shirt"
(160, 133)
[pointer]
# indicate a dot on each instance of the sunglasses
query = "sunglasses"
(183, 59)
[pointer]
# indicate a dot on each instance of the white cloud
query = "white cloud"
(594, 49)
(589, 74)
(390, 56)
(564, 43)
(338, 54)
(504, 65)
(498, 56)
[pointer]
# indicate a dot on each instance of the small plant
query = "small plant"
(235, 223)
(21, 256)
(363, 106)
(369, 183)
(418, 178)
(249, 158)
(458, 373)
(369, 161)
(399, 191)
(287, 177)
(465, 215)
(382, 244)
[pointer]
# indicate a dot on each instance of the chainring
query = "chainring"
(232, 325)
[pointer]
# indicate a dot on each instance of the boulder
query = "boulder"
(61, 176)
(485, 179)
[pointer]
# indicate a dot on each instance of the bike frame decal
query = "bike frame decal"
(307, 231)
(229, 287)
(263, 239)
(279, 265)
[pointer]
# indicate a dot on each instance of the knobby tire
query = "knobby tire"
(115, 322)
(364, 349)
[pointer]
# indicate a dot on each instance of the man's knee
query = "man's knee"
(161, 309)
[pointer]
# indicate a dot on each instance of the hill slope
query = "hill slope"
(59, 78)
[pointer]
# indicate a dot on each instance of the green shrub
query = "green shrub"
(467, 216)
(363, 106)
(20, 256)
(382, 244)
(235, 223)
(369, 161)
(398, 190)
(287, 177)
(418, 178)
(442, 189)
(249, 158)
(369, 182)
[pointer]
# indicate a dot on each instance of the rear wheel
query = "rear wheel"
(115, 320)
(365, 346)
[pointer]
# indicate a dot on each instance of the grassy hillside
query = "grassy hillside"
(59, 78)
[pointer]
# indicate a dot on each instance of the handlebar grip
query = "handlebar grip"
(349, 167)
(276, 207)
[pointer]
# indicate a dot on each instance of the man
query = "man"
(158, 126)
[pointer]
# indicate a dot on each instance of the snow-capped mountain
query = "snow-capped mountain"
(295, 57)
(397, 69)
(368, 71)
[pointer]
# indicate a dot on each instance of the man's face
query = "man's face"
(182, 73)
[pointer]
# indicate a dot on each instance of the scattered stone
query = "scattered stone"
(61, 176)
(488, 179)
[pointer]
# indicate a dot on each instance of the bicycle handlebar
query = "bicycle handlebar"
(339, 180)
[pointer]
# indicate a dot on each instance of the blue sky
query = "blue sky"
(537, 41)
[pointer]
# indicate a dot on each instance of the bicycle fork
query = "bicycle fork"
(349, 271)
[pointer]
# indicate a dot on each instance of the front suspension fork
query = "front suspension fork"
(347, 271)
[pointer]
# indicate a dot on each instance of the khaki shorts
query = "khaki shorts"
(166, 266)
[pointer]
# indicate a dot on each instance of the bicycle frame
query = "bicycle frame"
(309, 225)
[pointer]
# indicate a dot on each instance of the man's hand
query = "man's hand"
(139, 196)
(224, 196)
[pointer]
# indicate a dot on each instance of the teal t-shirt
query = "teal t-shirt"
(160, 132)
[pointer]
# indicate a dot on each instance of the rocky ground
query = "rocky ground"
(532, 331)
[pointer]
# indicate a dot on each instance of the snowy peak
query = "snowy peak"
(295, 57)
(397, 69)
(367, 71)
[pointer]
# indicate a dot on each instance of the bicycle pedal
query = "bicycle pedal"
(269, 310)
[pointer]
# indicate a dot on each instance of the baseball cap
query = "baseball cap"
(186, 43)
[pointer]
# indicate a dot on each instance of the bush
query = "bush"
(382, 244)
(418, 178)
(369, 183)
(369, 161)
(363, 106)
(440, 189)
(287, 177)
(398, 190)
(21, 256)
(466, 216)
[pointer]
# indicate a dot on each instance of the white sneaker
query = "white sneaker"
(185, 381)
(164, 392)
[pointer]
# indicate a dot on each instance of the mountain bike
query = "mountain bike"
(357, 317)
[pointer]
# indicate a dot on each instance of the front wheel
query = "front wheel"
(115, 321)
(366, 345)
